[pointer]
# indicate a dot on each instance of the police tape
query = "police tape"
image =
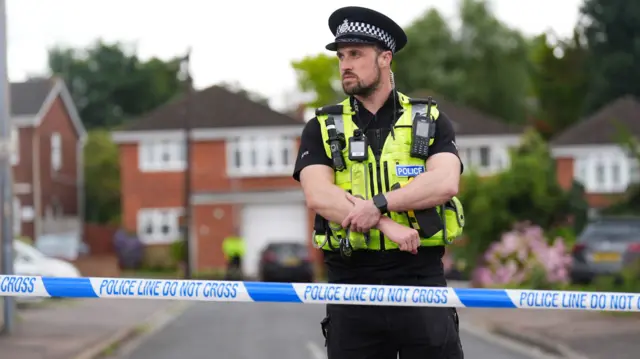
(310, 293)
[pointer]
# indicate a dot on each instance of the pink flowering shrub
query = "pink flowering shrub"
(524, 258)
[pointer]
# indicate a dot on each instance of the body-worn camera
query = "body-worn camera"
(358, 146)
(336, 144)
(422, 132)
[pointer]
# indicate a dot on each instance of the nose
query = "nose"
(345, 66)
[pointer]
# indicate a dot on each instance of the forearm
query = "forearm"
(427, 190)
(330, 202)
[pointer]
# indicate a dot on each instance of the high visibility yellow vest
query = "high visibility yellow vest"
(233, 247)
(394, 169)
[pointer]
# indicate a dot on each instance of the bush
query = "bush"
(523, 258)
(528, 189)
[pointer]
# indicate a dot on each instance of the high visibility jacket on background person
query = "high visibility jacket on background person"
(395, 168)
(233, 247)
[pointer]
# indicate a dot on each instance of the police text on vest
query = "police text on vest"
(408, 171)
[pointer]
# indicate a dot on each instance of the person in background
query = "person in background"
(233, 249)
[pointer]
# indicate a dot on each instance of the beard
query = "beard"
(360, 88)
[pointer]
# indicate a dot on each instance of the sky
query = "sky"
(251, 42)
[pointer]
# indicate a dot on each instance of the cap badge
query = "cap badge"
(344, 27)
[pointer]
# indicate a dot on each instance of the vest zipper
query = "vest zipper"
(386, 177)
(379, 177)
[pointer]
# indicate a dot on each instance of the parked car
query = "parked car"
(27, 260)
(606, 247)
(286, 262)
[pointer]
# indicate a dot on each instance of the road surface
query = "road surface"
(261, 330)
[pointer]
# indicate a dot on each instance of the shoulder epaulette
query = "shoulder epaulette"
(329, 110)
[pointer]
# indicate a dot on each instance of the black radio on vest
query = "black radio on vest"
(422, 132)
(336, 143)
(358, 146)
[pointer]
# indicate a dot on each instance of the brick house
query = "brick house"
(243, 155)
(590, 152)
(483, 140)
(48, 138)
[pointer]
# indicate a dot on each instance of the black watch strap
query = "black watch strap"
(380, 201)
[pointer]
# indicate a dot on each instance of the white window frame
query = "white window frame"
(274, 155)
(587, 171)
(56, 151)
(471, 156)
(158, 218)
(152, 154)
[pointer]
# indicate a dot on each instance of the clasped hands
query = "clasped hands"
(365, 215)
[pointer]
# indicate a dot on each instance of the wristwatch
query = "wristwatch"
(380, 201)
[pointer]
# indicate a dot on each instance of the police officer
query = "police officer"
(376, 169)
(233, 250)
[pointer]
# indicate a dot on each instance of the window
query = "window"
(159, 225)
(604, 173)
(634, 169)
(162, 155)
(485, 157)
(600, 174)
(260, 155)
(56, 151)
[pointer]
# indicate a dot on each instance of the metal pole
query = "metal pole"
(187, 174)
(6, 181)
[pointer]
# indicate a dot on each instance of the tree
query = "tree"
(319, 74)
(612, 29)
(110, 84)
(495, 62)
(431, 60)
(102, 178)
(483, 65)
(559, 81)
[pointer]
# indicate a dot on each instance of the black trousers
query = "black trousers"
(383, 332)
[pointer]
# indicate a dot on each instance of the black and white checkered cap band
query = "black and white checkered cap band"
(358, 28)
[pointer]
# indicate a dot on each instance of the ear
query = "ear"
(386, 59)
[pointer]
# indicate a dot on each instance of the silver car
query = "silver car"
(606, 247)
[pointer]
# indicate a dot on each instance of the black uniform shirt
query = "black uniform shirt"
(377, 266)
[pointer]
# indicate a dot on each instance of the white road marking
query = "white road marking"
(316, 351)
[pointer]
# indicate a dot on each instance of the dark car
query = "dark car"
(606, 247)
(286, 262)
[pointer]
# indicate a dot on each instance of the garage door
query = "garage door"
(268, 222)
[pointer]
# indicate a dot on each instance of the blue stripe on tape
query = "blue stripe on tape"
(272, 292)
(484, 298)
(69, 287)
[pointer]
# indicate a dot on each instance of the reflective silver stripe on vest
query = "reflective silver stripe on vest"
(339, 122)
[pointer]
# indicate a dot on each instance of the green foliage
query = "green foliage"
(102, 178)
(179, 251)
(319, 74)
(527, 191)
(110, 84)
(612, 30)
(559, 83)
(484, 52)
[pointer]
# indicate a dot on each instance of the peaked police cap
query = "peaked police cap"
(354, 24)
